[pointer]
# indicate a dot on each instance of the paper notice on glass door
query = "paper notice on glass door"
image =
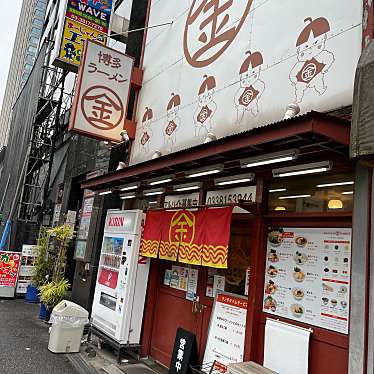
(218, 284)
(192, 284)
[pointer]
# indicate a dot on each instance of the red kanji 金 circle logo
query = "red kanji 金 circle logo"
(211, 27)
(102, 108)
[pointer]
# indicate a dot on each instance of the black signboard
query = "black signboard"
(184, 353)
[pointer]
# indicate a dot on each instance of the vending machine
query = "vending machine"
(121, 284)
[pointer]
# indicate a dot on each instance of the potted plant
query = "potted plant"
(55, 286)
(42, 268)
(53, 293)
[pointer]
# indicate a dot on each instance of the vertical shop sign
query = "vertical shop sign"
(100, 103)
(225, 344)
(184, 353)
(9, 266)
(84, 20)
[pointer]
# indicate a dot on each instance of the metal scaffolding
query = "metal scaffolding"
(53, 109)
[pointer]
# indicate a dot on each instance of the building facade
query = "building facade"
(29, 31)
(210, 134)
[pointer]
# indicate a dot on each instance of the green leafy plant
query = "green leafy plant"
(54, 243)
(53, 293)
(43, 264)
(60, 238)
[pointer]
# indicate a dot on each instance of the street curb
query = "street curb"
(80, 364)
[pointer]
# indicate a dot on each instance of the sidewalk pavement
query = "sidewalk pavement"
(24, 342)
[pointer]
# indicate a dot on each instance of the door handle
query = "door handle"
(197, 307)
(200, 307)
(194, 307)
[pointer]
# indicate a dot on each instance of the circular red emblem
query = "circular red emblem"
(102, 108)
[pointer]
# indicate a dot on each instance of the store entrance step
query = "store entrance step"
(128, 369)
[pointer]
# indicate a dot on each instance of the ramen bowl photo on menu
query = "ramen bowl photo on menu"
(270, 304)
(272, 271)
(273, 256)
(298, 293)
(297, 310)
(270, 288)
(300, 258)
(301, 241)
(298, 274)
(275, 238)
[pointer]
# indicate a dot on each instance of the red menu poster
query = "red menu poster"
(9, 266)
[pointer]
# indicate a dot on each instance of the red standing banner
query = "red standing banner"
(193, 237)
(9, 266)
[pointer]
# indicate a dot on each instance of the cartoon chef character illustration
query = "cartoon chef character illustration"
(206, 107)
(172, 121)
(251, 87)
(145, 139)
(314, 60)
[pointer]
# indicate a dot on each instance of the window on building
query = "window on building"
(32, 49)
(40, 5)
(36, 32)
(322, 193)
(34, 40)
(24, 77)
(30, 58)
(39, 14)
(38, 23)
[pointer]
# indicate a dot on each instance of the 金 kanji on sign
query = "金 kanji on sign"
(211, 27)
(102, 108)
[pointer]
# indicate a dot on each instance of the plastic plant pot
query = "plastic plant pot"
(32, 294)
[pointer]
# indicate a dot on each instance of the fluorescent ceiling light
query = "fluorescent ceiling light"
(105, 193)
(187, 187)
(312, 168)
(293, 197)
(335, 184)
(235, 179)
(154, 192)
(161, 181)
(129, 196)
(271, 158)
(204, 171)
(303, 172)
(130, 187)
(153, 202)
(278, 190)
(348, 193)
(201, 173)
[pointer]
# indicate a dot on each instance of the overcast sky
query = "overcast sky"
(10, 12)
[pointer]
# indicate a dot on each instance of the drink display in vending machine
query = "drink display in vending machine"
(121, 284)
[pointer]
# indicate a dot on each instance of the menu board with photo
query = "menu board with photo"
(307, 276)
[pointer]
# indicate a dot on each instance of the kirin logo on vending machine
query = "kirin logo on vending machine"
(116, 221)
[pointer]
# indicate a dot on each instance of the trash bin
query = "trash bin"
(68, 320)
(248, 368)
